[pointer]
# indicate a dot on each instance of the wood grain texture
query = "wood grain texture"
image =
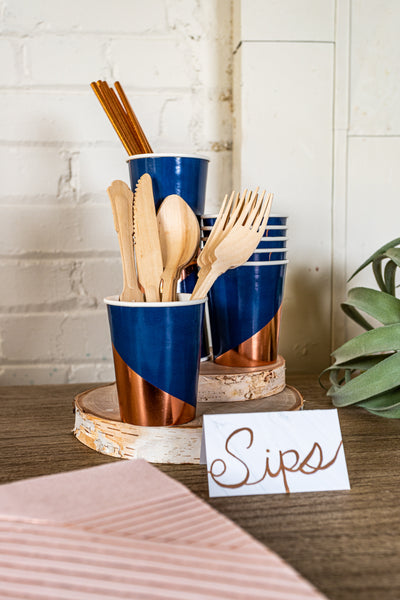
(347, 542)
(98, 425)
(219, 383)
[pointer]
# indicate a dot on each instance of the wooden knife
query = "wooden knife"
(147, 242)
(121, 199)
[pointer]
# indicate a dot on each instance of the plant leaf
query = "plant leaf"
(390, 413)
(377, 269)
(383, 402)
(381, 339)
(353, 313)
(394, 254)
(381, 250)
(380, 305)
(362, 363)
(378, 379)
(390, 277)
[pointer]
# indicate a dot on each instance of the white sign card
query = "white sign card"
(273, 453)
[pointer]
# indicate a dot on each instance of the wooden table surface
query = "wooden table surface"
(347, 543)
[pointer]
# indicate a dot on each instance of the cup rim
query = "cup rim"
(114, 301)
(263, 239)
(257, 263)
(209, 227)
(268, 250)
(166, 154)
(214, 216)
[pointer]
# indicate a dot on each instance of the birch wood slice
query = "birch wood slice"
(218, 383)
(98, 426)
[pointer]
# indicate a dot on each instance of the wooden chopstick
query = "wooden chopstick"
(122, 117)
(109, 112)
(144, 143)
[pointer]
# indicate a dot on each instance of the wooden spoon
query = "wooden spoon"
(121, 199)
(179, 233)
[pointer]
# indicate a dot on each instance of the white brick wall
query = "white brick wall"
(315, 120)
(58, 153)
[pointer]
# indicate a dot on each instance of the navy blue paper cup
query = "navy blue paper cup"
(245, 310)
(265, 254)
(208, 220)
(276, 242)
(186, 285)
(272, 231)
(156, 350)
(275, 231)
(181, 174)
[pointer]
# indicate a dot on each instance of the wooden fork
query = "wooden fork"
(227, 216)
(233, 248)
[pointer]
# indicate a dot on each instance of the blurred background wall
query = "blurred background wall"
(298, 97)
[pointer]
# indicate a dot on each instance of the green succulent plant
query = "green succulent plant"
(366, 369)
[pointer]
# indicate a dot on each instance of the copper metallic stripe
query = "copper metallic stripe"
(142, 403)
(259, 350)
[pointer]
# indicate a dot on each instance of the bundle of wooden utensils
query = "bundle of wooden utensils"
(155, 248)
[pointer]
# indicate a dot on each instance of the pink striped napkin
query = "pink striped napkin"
(126, 530)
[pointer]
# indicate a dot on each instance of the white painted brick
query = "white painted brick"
(134, 16)
(31, 171)
(35, 282)
(85, 335)
(213, 63)
(177, 125)
(34, 374)
(189, 18)
(99, 372)
(58, 337)
(289, 20)
(55, 229)
(160, 113)
(164, 63)
(96, 226)
(219, 179)
(375, 58)
(98, 167)
(31, 337)
(44, 116)
(216, 121)
(101, 278)
(66, 60)
(9, 74)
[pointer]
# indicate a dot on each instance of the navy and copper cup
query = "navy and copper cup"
(186, 285)
(276, 242)
(181, 174)
(156, 350)
(245, 312)
(208, 220)
(268, 254)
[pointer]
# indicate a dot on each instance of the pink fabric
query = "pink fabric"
(126, 530)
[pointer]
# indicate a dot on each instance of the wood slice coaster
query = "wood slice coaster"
(98, 425)
(218, 383)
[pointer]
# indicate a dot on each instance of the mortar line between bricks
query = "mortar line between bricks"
(37, 256)
(75, 362)
(72, 312)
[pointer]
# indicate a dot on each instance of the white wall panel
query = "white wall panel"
(283, 141)
(373, 208)
(375, 67)
(294, 20)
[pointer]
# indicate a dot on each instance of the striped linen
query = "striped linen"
(75, 536)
